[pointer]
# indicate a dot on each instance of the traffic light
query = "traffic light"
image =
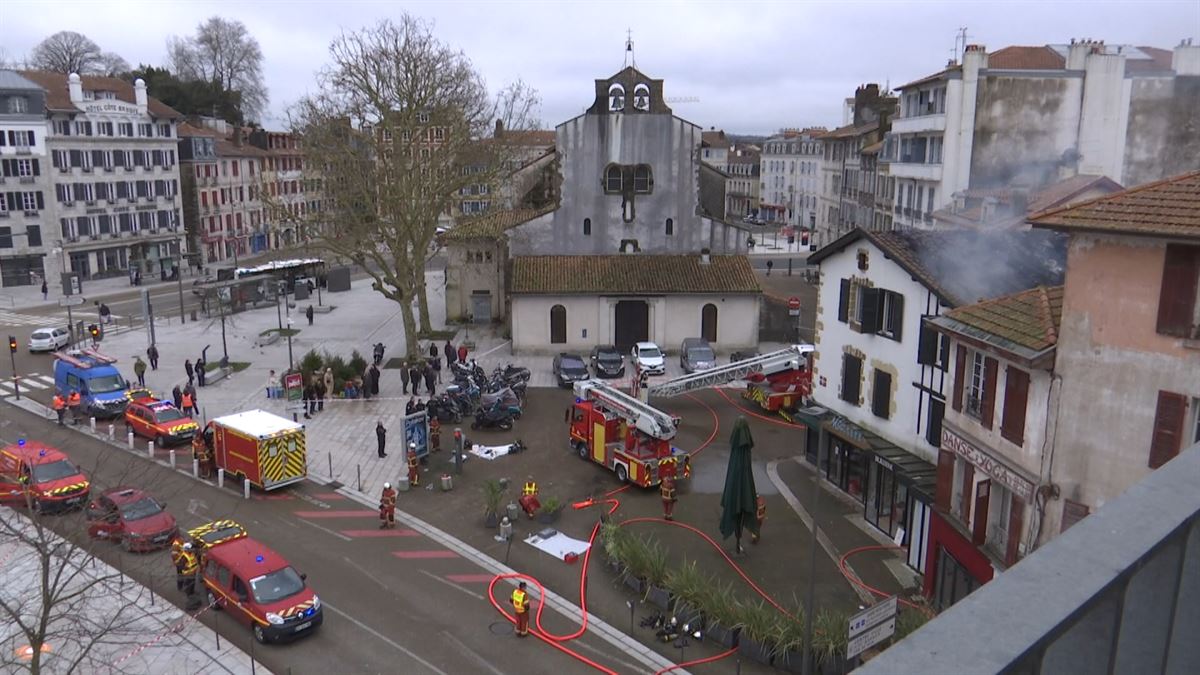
(94, 331)
(12, 344)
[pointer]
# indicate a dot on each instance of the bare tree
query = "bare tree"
(67, 52)
(112, 65)
(398, 129)
(223, 52)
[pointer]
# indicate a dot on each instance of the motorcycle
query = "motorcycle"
(379, 353)
(493, 418)
(445, 409)
(512, 373)
(505, 399)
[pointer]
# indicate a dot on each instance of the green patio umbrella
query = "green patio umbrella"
(739, 500)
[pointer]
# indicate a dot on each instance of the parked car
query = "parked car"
(569, 368)
(743, 355)
(133, 518)
(49, 339)
(696, 354)
(159, 421)
(607, 361)
(647, 357)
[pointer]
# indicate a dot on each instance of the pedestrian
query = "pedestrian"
(381, 436)
(191, 389)
(529, 501)
(139, 369)
(189, 404)
(462, 353)
(760, 515)
(74, 402)
(420, 406)
(414, 375)
(429, 379)
(435, 434)
(152, 355)
(319, 386)
(451, 354)
(186, 566)
(306, 395)
(437, 368)
(666, 488)
(45, 291)
(201, 371)
(191, 373)
(387, 507)
(520, 602)
(366, 382)
(411, 406)
(414, 466)
(59, 404)
(177, 397)
(329, 381)
(374, 370)
(433, 351)
(272, 384)
(309, 313)
(404, 376)
(105, 314)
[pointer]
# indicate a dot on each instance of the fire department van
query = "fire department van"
(258, 588)
(265, 449)
(41, 476)
(160, 421)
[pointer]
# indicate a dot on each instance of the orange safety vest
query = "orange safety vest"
(73, 399)
(520, 600)
(667, 488)
(186, 400)
(58, 403)
(529, 489)
(388, 500)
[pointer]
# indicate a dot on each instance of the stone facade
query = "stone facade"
(27, 230)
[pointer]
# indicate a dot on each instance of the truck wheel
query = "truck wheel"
(475, 426)
(126, 545)
(622, 473)
(581, 448)
(37, 507)
(259, 634)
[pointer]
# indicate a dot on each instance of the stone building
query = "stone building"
(27, 230)
(790, 177)
(223, 176)
(291, 186)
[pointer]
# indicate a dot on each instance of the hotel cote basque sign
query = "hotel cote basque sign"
(1000, 472)
(110, 106)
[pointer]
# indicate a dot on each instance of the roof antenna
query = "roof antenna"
(629, 60)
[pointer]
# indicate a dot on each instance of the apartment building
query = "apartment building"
(743, 165)
(849, 183)
(26, 215)
(222, 177)
(291, 186)
(1028, 116)
(789, 185)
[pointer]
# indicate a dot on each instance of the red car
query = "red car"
(132, 517)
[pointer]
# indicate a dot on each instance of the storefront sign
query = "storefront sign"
(884, 463)
(847, 429)
(110, 106)
(999, 471)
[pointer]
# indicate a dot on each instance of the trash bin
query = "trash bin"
(514, 511)
(402, 484)
(447, 482)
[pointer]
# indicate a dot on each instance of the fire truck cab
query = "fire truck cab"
(625, 435)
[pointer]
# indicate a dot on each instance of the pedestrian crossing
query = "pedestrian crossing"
(10, 318)
(29, 382)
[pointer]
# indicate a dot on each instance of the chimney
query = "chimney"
(75, 86)
(139, 93)
(704, 256)
(237, 136)
(499, 128)
(1186, 59)
(1077, 53)
(975, 58)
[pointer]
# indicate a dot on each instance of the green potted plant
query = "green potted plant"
(757, 623)
(789, 641)
(686, 584)
(493, 496)
(550, 510)
(719, 603)
(830, 636)
(613, 538)
(909, 620)
(635, 554)
(656, 576)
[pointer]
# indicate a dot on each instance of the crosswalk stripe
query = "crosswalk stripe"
(28, 382)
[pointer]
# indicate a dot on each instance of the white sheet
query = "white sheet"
(556, 543)
(490, 451)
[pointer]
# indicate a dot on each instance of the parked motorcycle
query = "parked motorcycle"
(445, 409)
(512, 373)
(505, 399)
(493, 418)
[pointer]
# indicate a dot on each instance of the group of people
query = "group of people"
(185, 399)
(414, 373)
(60, 404)
(196, 372)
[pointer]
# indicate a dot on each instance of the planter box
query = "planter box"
(549, 518)
(726, 637)
(636, 584)
(791, 661)
(752, 649)
(689, 615)
(832, 666)
(659, 597)
(613, 565)
(491, 520)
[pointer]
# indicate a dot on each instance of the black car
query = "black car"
(607, 361)
(569, 368)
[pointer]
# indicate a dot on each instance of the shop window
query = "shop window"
(558, 325)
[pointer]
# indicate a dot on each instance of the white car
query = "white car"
(647, 357)
(48, 339)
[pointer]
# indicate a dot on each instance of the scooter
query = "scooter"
(493, 418)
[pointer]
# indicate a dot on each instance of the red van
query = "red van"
(259, 588)
(39, 475)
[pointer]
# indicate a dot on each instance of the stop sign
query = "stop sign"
(793, 302)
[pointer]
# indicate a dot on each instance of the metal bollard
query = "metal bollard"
(358, 470)
(130, 440)
(112, 431)
(172, 455)
(150, 449)
(330, 456)
(220, 477)
(92, 422)
(195, 468)
(245, 489)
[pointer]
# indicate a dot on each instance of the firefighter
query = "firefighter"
(760, 514)
(203, 452)
(414, 471)
(435, 434)
(73, 402)
(666, 488)
(520, 602)
(529, 498)
(186, 566)
(387, 507)
(59, 404)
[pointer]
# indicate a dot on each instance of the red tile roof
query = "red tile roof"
(1160, 60)
(1028, 319)
(1026, 58)
(1165, 208)
(58, 94)
(632, 275)
(493, 225)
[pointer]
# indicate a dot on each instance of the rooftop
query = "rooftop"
(1063, 192)
(58, 94)
(1026, 58)
(632, 275)
(1025, 323)
(11, 79)
(1165, 208)
(494, 224)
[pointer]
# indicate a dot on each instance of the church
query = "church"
(635, 246)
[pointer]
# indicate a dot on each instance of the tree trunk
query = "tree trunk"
(422, 299)
(410, 327)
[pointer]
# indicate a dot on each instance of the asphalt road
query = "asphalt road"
(393, 603)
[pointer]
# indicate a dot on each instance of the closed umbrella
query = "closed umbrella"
(739, 499)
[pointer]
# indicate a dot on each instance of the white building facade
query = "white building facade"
(26, 214)
(790, 177)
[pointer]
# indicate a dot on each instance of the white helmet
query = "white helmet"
(412, 445)
(187, 546)
(387, 486)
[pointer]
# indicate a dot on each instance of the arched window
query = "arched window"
(558, 325)
(612, 179)
(641, 97)
(642, 179)
(587, 227)
(708, 322)
(616, 98)
(670, 227)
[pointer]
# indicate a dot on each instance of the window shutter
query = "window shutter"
(927, 344)
(960, 371)
(871, 301)
(1072, 513)
(945, 479)
(968, 492)
(76, 158)
(844, 302)
(12, 200)
(12, 137)
(1015, 516)
(881, 394)
(896, 315)
(851, 377)
(1168, 428)
(37, 168)
(983, 497)
(988, 406)
(41, 201)
(1177, 296)
(933, 430)
(1016, 399)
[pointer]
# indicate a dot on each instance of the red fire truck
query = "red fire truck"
(778, 381)
(625, 435)
(265, 449)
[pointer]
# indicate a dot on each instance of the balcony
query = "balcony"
(926, 122)
(916, 171)
(1117, 593)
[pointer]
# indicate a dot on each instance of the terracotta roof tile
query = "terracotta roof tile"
(58, 94)
(493, 225)
(632, 275)
(1026, 58)
(1165, 208)
(1159, 60)
(1028, 319)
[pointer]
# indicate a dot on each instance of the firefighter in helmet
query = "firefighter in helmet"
(529, 498)
(666, 487)
(414, 471)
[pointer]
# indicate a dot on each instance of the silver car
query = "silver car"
(696, 354)
(49, 339)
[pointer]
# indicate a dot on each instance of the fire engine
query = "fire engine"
(778, 381)
(628, 436)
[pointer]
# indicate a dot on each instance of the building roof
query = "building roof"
(1026, 322)
(1026, 58)
(967, 266)
(931, 78)
(1066, 191)
(714, 139)
(11, 79)
(530, 137)
(494, 224)
(58, 93)
(632, 275)
(850, 131)
(224, 146)
(1164, 208)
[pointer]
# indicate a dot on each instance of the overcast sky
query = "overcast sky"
(754, 66)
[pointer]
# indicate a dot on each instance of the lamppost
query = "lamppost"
(291, 361)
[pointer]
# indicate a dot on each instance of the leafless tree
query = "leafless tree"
(112, 65)
(67, 52)
(223, 52)
(399, 128)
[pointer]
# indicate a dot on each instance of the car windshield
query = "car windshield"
(649, 352)
(105, 384)
(168, 414)
(41, 335)
(608, 355)
(277, 585)
(701, 354)
(43, 473)
(142, 508)
(571, 363)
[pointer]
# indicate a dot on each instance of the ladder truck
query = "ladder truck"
(625, 435)
(778, 381)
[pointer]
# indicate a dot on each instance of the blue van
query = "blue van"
(100, 385)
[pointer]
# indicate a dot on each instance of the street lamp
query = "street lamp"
(291, 361)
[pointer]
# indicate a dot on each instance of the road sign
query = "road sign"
(71, 301)
(869, 617)
(870, 638)
(794, 306)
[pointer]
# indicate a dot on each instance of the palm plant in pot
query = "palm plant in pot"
(829, 641)
(656, 575)
(493, 496)
(635, 554)
(757, 622)
(551, 508)
(614, 538)
(789, 640)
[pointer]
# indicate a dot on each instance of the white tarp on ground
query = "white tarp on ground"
(490, 451)
(556, 543)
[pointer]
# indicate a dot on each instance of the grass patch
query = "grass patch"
(236, 366)
(286, 332)
(442, 335)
